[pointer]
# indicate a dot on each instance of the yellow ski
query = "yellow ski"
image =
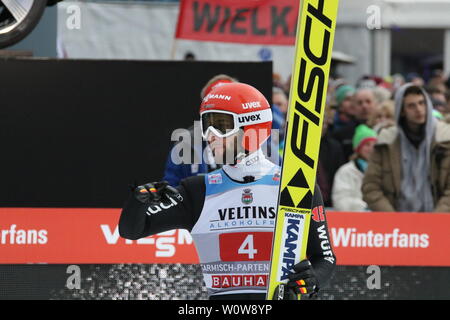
(307, 99)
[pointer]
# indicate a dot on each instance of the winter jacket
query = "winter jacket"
(382, 180)
(347, 194)
(345, 136)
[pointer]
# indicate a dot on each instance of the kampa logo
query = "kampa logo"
(247, 196)
(251, 105)
(253, 117)
(290, 245)
(294, 215)
(217, 96)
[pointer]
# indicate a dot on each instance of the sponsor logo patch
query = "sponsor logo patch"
(253, 117)
(290, 244)
(247, 196)
(215, 178)
(217, 96)
(251, 105)
(228, 281)
(276, 176)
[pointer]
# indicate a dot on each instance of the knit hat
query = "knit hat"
(438, 115)
(343, 92)
(362, 135)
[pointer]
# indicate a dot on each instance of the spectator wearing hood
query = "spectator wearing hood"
(346, 193)
(409, 169)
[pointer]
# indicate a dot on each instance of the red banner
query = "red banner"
(243, 21)
(66, 236)
(397, 239)
(32, 235)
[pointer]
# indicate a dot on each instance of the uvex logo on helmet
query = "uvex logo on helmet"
(253, 117)
(251, 105)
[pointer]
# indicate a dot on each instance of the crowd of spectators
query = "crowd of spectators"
(386, 144)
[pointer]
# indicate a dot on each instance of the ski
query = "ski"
(314, 43)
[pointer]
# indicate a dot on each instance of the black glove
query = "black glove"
(157, 192)
(302, 282)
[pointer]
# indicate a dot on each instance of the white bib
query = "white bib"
(233, 234)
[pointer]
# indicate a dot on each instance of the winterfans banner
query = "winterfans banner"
(80, 236)
(243, 21)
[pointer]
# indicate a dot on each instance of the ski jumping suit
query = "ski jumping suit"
(231, 222)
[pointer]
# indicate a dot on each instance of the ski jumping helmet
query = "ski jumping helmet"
(232, 106)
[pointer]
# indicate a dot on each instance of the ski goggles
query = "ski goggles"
(224, 123)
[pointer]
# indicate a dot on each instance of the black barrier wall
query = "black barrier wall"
(185, 282)
(76, 133)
